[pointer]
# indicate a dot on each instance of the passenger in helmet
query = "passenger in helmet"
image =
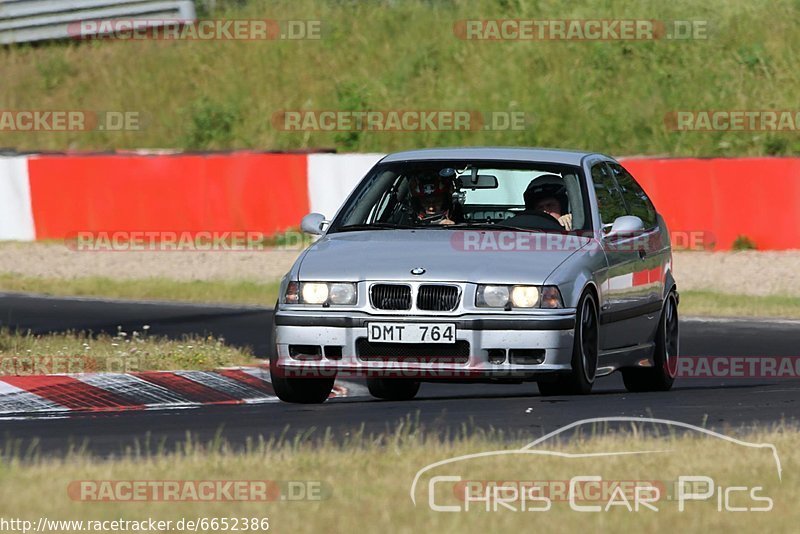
(548, 193)
(432, 198)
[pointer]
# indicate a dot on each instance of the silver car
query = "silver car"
(496, 265)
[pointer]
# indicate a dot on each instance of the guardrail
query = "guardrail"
(24, 21)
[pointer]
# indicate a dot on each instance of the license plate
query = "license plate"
(412, 332)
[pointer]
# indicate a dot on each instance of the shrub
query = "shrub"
(742, 242)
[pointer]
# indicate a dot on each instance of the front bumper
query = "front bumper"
(548, 333)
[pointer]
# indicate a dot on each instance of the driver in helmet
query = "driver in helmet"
(432, 198)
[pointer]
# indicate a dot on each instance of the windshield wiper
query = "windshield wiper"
(373, 226)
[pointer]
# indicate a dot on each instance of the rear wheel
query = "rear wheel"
(585, 349)
(395, 389)
(661, 376)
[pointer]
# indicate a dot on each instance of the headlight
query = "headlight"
(315, 293)
(525, 296)
(343, 293)
(518, 297)
(321, 293)
(492, 296)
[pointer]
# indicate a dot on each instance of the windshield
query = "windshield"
(458, 194)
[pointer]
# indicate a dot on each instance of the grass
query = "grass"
(709, 303)
(364, 482)
(221, 291)
(388, 55)
(25, 354)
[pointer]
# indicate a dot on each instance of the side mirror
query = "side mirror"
(627, 225)
(312, 223)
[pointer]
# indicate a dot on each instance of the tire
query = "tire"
(296, 390)
(393, 389)
(585, 350)
(302, 390)
(661, 376)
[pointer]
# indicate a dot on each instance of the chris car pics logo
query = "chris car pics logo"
(662, 474)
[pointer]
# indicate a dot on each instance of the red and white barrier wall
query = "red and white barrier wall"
(57, 196)
(724, 198)
(331, 178)
(16, 217)
(180, 193)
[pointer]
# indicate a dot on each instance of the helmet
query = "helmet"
(546, 185)
(426, 186)
(431, 187)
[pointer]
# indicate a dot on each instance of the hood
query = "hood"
(446, 255)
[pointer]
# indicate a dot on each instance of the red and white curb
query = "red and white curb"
(110, 392)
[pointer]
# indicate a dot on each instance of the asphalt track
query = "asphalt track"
(443, 408)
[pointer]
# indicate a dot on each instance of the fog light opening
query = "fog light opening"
(305, 352)
(333, 352)
(526, 356)
(497, 356)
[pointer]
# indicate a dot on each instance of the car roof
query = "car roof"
(544, 155)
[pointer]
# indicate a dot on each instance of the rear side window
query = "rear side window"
(609, 199)
(635, 198)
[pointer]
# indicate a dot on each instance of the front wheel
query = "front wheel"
(300, 390)
(661, 376)
(394, 389)
(580, 379)
(296, 390)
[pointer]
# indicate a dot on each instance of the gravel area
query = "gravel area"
(53, 260)
(748, 273)
(742, 273)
